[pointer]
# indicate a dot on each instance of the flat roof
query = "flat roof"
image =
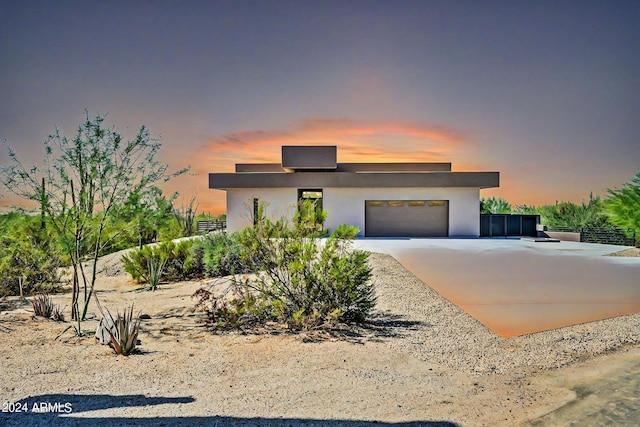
(352, 167)
(223, 181)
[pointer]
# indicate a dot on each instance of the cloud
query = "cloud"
(357, 141)
(381, 141)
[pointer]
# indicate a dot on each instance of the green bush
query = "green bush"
(221, 255)
(300, 281)
(30, 257)
(623, 205)
(181, 260)
(567, 214)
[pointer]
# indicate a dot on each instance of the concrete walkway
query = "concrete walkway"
(518, 287)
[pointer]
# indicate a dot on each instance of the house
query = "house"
(383, 199)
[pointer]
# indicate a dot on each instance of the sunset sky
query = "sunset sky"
(545, 92)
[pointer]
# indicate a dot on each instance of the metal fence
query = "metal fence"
(209, 226)
(604, 235)
(505, 225)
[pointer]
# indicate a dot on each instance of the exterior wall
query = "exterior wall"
(564, 236)
(346, 205)
(279, 202)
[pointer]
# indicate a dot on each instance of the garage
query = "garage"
(406, 218)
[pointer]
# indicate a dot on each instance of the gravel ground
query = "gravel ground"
(421, 361)
(458, 341)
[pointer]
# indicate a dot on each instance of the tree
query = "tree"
(79, 186)
(146, 214)
(623, 205)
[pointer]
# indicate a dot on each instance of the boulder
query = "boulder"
(102, 332)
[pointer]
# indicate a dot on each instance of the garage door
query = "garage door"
(406, 218)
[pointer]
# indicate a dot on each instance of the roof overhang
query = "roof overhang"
(223, 181)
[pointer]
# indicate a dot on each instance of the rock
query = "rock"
(102, 332)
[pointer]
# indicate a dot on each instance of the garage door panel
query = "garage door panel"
(393, 218)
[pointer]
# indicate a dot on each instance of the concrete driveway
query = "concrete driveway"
(516, 287)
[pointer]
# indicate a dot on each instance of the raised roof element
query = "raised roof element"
(295, 157)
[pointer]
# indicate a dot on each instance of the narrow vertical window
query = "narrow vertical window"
(255, 211)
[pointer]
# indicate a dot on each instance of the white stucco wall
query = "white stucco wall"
(279, 202)
(346, 205)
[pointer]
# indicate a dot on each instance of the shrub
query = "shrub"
(300, 281)
(155, 268)
(42, 305)
(221, 255)
(623, 205)
(29, 260)
(57, 314)
(181, 261)
(234, 308)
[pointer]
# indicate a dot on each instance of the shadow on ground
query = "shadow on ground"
(63, 410)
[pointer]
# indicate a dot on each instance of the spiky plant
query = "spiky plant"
(124, 334)
(42, 305)
(155, 268)
(57, 314)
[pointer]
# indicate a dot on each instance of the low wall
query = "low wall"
(563, 235)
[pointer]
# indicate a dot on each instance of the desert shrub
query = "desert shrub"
(309, 219)
(28, 261)
(234, 308)
(42, 305)
(182, 261)
(57, 314)
(221, 255)
(300, 281)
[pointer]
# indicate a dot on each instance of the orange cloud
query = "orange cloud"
(357, 141)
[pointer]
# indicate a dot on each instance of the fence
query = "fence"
(208, 226)
(605, 235)
(504, 225)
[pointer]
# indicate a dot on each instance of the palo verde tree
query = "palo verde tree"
(78, 188)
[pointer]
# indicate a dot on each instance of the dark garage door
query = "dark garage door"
(406, 218)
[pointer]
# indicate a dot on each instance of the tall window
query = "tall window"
(255, 211)
(311, 194)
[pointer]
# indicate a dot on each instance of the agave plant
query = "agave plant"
(155, 268)
(124, 331)
(42, 305)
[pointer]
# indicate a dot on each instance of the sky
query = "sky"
(545, 92)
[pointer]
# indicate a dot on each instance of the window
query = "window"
(312, 194)
(437, 202)
(395, 203)
(255, 211)
(374, 203)
(416, 203)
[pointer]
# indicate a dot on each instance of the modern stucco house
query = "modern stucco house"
(383, 199)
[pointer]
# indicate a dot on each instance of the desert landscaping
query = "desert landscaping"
(420, 361)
